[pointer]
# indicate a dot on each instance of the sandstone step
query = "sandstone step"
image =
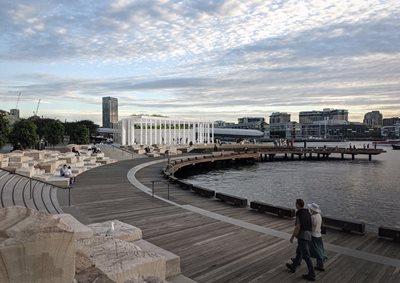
(120, 260)
(121, 231)
(81, 231)
(173, 262)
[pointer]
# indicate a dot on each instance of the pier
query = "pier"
(242, 154)
(219, 242)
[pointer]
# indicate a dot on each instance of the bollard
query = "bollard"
(152, 188)
(168, 191)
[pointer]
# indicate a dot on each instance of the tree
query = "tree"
(80, 135)
(90, 125)
(4, 130)
(24, 135)
(54, 132)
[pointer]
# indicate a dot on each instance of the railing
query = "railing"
(153, 189)
(31, 190)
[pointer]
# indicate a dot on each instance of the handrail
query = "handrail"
(29, 180)
(9, 171)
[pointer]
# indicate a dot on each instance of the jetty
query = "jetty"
(217, 241)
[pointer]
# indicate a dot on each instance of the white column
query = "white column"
(151, 131)
(165, 131)
(209, 133)
(123, 132)
(155, 131)
(128, 133)
(141, 131)
(179, 131)
(212, 132)
(170, 130)
(184, 132)
(194, 132)
(146, 125)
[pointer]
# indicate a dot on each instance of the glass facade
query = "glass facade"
(110, 112)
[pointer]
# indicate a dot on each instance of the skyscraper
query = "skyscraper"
(373, 119)
(110, 112)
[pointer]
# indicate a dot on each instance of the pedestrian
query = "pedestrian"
(302, 231)
(63, 170)
(68, 174)
(75, 151)
(317, 249)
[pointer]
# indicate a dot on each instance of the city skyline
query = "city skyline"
(216, 59)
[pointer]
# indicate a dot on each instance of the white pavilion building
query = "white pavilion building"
(146, 130)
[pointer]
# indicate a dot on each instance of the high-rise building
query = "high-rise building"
(373, 119)
(279, 117)
(309, 117)
(110, 112)
(278, 124)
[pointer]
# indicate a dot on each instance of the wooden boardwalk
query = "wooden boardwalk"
(214, 250)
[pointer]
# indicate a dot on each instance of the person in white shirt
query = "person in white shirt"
(317, 249)
(68, 174)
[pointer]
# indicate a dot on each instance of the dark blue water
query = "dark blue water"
(361, 190)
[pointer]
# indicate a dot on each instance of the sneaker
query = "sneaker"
(293, 259)
(308, 277)
(291, 267)
(319, 268)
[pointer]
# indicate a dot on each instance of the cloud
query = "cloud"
(228, 57)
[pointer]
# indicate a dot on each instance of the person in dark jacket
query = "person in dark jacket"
(302, 231)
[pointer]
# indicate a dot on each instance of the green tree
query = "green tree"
(80, 135)
(4, 130)
(90, 125)
(24, 134)
(54, 132)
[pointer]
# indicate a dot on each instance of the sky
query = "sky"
(210, 59)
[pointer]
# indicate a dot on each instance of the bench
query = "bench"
(348, 226)
(237, 201)
(278, 210)
(203, 191)
(391, 233)
(184, 185)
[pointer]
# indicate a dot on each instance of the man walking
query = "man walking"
(302, 231)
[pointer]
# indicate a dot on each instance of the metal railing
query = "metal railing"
(153, 188)
(31, 189)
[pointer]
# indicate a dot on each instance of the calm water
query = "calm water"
(355, 190)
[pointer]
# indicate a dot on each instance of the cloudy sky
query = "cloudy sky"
(200, 58)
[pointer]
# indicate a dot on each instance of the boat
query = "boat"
(396, 146)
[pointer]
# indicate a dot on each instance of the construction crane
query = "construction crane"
(19, 96)
(37, 109)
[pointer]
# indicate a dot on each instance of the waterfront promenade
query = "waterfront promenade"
(218, 242)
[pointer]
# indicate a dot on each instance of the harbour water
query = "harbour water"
(358, 189)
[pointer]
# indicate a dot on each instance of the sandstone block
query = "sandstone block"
(81, 231)
(121, 260)
(28, 171)
(35, 247)
(173, 262)
(122, 230)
